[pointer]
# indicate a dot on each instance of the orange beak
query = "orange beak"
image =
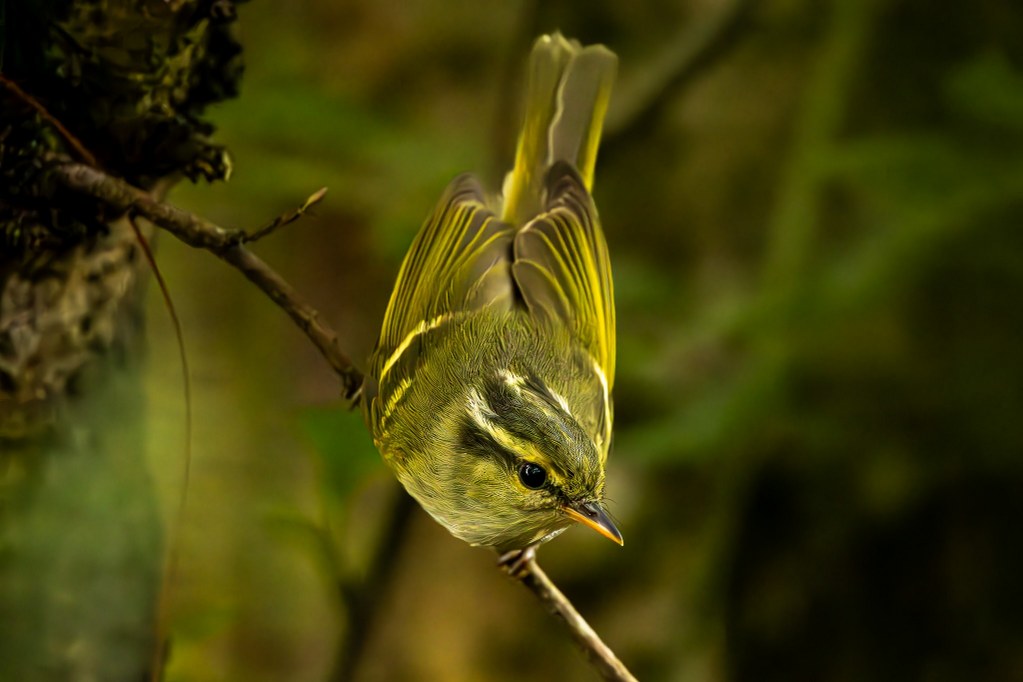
(592, 514)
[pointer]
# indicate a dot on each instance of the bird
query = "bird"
(489, 392)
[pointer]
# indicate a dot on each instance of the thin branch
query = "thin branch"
(558, 605)
(83, 153)
(226, 245)
(173, 558)
(287, 218)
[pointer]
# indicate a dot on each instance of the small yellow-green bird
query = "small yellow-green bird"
(489, 392)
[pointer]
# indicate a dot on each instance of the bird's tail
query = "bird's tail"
(566, 99)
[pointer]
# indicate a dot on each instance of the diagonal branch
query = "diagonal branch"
(557, 604)
(226, 245)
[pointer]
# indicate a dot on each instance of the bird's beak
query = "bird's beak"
(592, 514)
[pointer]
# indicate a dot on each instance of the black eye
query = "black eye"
(533, 476)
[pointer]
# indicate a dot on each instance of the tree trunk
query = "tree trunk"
(79, 527)
(121, 84)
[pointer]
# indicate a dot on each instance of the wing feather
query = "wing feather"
(562, 269)
(459, 261)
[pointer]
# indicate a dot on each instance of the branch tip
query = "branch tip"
(286, 218)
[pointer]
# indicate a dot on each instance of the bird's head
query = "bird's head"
(522, 467)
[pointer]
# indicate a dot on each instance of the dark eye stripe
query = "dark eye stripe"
(476, 440)
(525, 418)
(473, 438)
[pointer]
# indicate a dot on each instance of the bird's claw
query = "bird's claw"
(516, 562)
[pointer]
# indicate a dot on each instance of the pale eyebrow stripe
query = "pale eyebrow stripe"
(516, 382)
(477, 405)
(511, 379)
(478, 409)
(562, 403)
(419, 329)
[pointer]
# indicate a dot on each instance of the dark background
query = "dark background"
(818, 261)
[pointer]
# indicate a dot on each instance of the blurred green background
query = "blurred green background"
(818, 263)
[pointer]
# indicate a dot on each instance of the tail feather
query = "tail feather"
(566, 99)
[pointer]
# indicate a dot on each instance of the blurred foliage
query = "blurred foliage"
(80, 542)
(818, 264)
(348, 452)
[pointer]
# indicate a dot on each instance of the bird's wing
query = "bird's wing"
(460, 260)
(562, 270)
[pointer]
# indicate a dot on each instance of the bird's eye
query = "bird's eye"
(533, 476)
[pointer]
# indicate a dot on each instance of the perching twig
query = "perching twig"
(598, 653)
(226, 245)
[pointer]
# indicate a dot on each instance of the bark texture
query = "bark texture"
(120, 84)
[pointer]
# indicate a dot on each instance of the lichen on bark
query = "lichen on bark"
(127, 81)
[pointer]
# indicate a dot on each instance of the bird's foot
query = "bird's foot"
(516, 562)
